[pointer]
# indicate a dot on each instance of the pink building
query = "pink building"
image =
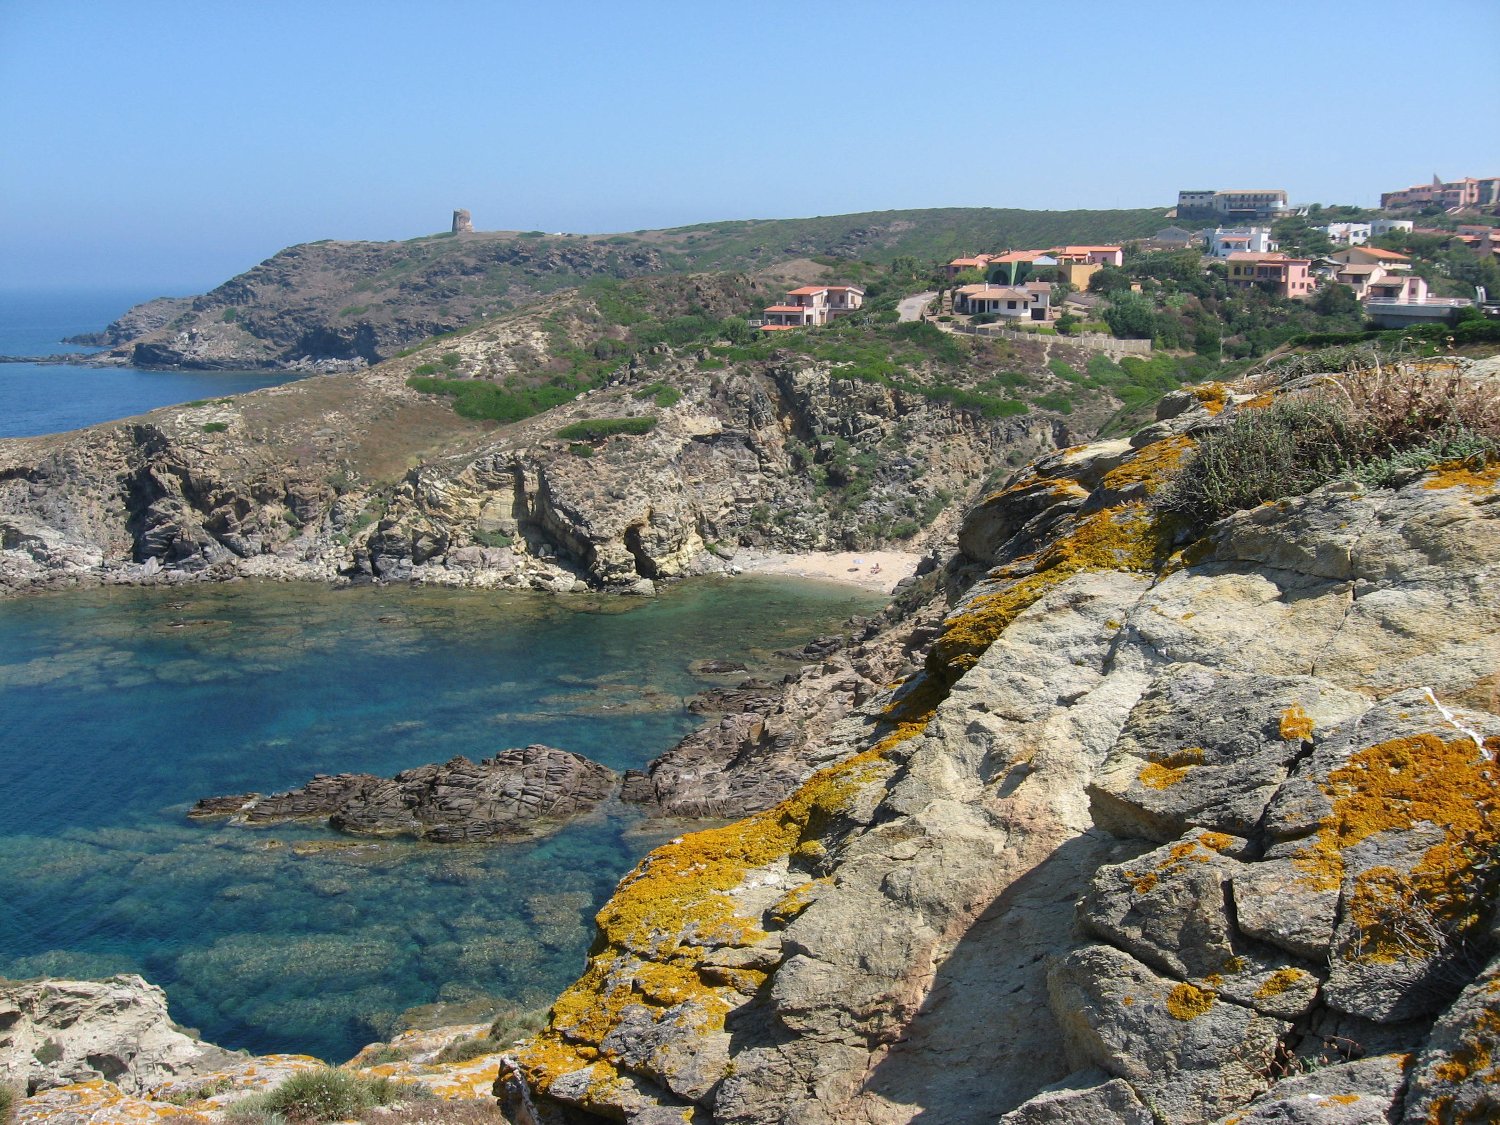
(813, 304)
(1089, 255)
(1286, 277)
(1375, 280)
(1467, 192)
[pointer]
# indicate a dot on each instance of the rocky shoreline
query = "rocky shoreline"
(1109, 817)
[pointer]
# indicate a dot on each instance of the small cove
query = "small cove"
(122, 706)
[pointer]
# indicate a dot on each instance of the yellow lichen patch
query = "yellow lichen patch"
(1393, 787)
(1157, 776)
(1218, 841)
(1127, 537)
(1278, 982)
(654, 931)
(1213, 396)
(1343, 1099)
(1151, 466)
(1143, 881)
(1234, 965)
(1188, 1002)
(796, 900)
(1456, 474)
(1296, 724)
(1473, 1060)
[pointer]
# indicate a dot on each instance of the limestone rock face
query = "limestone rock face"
(55, 1033)
(1188, 828)
(516, 793)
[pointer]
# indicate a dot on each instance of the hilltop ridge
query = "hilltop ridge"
(334, 305)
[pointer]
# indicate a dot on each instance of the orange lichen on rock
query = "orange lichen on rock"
(1296, 724)
(657, 927)
(1127, 537)
(1278, 982)
(1395, 786)
(1188, 1002)
(1151, 466)
(1458, 474)
(1213, 396)
(1157, 776)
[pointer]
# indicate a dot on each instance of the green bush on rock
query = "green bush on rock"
(597, 429)
(325, 1094)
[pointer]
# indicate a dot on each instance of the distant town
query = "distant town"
(1430, 253)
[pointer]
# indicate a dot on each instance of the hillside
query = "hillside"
(607, 435)
(331, 305)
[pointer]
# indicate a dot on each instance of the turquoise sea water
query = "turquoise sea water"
(121, 707)
(49, 398)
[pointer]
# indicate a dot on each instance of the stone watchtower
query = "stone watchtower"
(462, 223)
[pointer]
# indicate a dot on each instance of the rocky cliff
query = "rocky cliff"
(360, 476)
(1177, 823)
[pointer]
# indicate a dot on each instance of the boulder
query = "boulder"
(59, 1032)
(1171, 1041)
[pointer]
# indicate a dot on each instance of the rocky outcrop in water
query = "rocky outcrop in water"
(1175, 824)
(517, 793)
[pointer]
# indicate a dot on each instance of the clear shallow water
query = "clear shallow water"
(122, 707)
(49, 398)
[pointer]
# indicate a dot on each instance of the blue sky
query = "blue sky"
(172, 144)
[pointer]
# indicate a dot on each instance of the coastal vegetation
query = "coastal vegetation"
(1376, 424)
(313, 1097)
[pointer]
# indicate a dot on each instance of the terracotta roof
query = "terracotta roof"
(787, 308)
(846, 289)
(1082, 249)
(970, 261)
(985, 293)
(1018, 256)
(778, 328)
(1389, 255)
(807, 291)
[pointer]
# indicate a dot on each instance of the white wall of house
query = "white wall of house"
(1349, 234)
(1223, 241)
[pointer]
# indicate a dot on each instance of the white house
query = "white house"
(1002, 301)
(1224, 241)
(1348, 234)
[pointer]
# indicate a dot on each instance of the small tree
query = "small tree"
(1131, 316)
(1109, 279)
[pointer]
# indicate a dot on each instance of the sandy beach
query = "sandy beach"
(872, 570)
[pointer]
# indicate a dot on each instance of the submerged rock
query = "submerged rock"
(524, 792)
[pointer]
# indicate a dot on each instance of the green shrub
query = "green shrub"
(451, 359)
(426, 369)
(663, 394)
(313, 1096)
(484, 400)
(7, 1102)
(229, 316)
(491, 538)
(1060, 403)
(1372, 426)
(581, 449)
(1288, 448)
(597, 429)
(215, 427)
